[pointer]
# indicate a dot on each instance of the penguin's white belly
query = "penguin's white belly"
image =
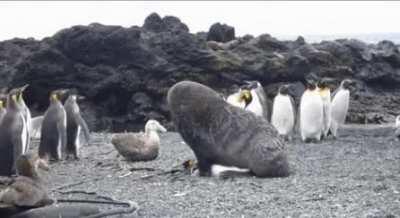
(77, 142)
(234, 100)
(326, 101)
(255, 105)
(311, 115)
(28, 121)
(282, 115)
(340, 106)
(24, 135)
(60, 134)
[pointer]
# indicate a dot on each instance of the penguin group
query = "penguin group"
(246, 118)
(319, 115)
(60, 128)
(322, 113)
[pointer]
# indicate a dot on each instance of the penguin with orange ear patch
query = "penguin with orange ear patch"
(54, 128)
(311, 111)
(12, 135)
(324, 90)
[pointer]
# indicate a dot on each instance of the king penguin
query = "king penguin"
(27, 116)
(260, 104)
(12, 137)
(75, 123)
(251, 97)
(340, 105)
(240, 99)
(324, 89)
(311, 111)
(53, 137)
(283, 112)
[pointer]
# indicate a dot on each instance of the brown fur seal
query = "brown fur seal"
(222, 134)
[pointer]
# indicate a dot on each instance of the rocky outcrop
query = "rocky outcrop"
(221, 33)
(125, 72)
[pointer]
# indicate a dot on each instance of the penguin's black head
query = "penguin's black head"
(311, 84)
(326, 83)
(58, 95)
(347, 84)
(251, 85)
(311, 81)
(284, 89)
(245, 95)
(20, 92)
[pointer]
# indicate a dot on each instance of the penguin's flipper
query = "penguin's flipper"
(334, 93)
(265, 102)
(294, 110)
(297, 119)
(85, 128)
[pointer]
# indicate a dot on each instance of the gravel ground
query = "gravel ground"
(357, 175)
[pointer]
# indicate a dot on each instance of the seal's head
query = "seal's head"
(191, 96)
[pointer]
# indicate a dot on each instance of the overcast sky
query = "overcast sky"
(41, 19)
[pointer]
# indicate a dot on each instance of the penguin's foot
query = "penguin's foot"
(308, 140)
(288, 138)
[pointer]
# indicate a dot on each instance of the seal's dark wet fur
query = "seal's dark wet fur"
(220, 133)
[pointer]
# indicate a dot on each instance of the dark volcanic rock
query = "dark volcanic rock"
(221, 33)
(126, 72)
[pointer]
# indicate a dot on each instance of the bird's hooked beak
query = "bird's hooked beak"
(161, 128)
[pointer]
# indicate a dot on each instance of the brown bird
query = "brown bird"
(139, 146)
(27, 189)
